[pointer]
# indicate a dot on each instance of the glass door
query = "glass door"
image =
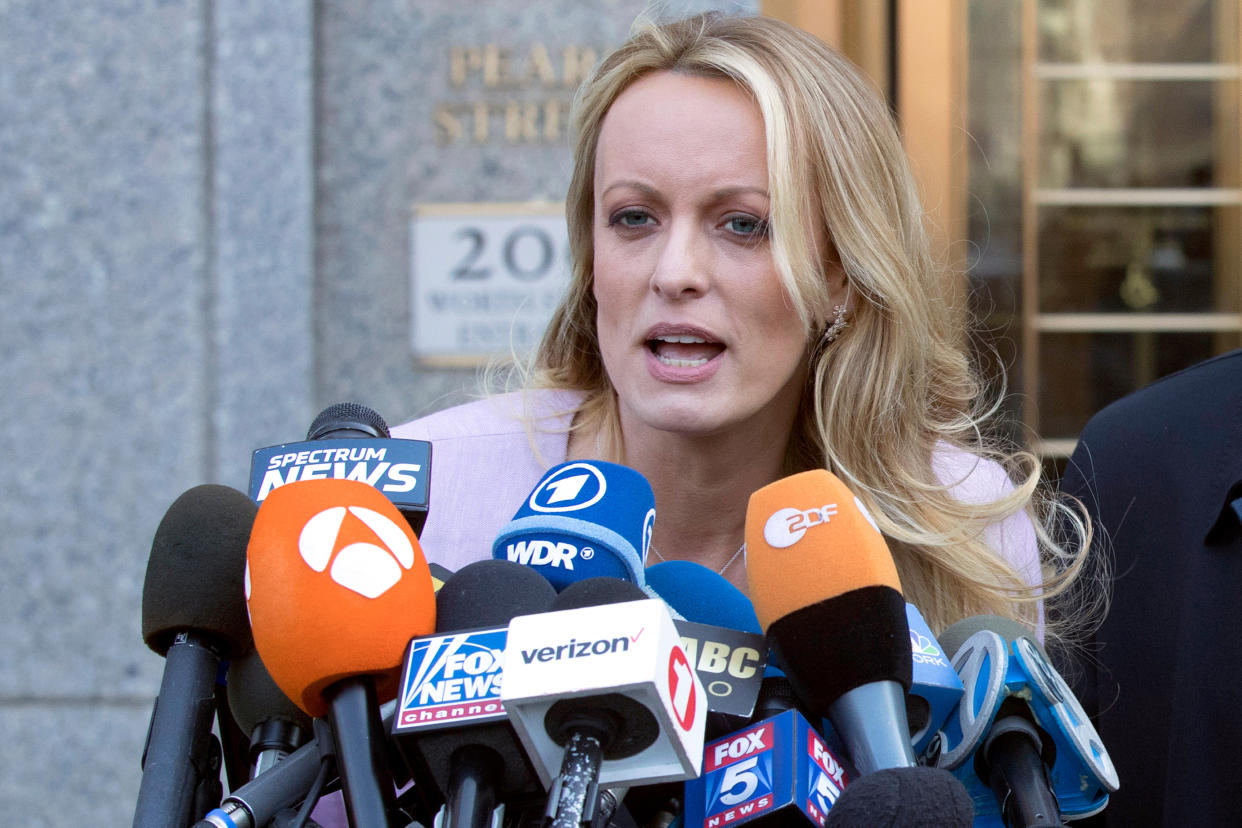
(1103, 204)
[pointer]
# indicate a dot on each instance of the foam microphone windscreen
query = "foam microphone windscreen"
(702, 595)
(584, 519)
(489, 593)
(194, 579)
(916, 797)
(254, 697)
(825, 588)
(594, 592)
(337, 585)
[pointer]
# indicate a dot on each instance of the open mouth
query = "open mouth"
(683, 351)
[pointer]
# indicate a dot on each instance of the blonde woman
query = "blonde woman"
(753, 295)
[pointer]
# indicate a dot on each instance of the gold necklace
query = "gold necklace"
(720, 571)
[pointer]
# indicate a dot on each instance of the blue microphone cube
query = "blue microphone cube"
(585, 519)
(778, 769)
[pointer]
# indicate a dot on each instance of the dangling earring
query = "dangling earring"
(837, 325)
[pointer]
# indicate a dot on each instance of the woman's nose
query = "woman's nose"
(682, 267)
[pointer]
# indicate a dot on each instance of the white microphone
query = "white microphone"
(602, 695)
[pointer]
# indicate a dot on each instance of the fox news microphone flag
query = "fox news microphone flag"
(337, 585)
(827, 594)
(585, 519)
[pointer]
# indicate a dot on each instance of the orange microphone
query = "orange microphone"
(828, 597)
(336, 586)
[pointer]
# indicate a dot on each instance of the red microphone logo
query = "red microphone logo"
(681, 688)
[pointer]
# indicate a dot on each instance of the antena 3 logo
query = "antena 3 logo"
(367, 568)
(570, 488)
(785, 527)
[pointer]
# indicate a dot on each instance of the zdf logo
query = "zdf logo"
(785, 527)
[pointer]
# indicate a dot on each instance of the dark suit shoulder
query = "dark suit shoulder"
(1191, 392)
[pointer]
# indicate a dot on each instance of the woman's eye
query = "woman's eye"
(630, 218)
(748, 226)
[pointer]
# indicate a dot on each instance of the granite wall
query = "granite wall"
(204, 240)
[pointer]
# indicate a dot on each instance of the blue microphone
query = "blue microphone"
(721, 636)
(1020, 742)
(935, 688)
(701, 594)
(585, 519)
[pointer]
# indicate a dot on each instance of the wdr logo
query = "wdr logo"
(573, 487)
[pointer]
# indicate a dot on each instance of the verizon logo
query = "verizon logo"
(581, 649)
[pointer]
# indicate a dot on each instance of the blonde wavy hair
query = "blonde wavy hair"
(898, 384)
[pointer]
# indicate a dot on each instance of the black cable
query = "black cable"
(312, 796)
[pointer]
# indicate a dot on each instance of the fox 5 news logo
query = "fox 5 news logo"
(450, 679)
(825, 779)
(738, 773)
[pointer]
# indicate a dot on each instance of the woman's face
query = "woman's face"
(696, 331)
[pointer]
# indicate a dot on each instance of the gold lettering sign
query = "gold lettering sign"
(511, 95)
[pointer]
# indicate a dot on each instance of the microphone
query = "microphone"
(337, 585)
(1020, 742)
(286, 784)
(450, 724)
(349, 441)
(775, 772)
(274, 725)
(603, 693)
(193, 614)
(935, 688)
(722, 639)
(703, 595)
(915, 797)
(721, 636)
(826, 591)
(584, 519)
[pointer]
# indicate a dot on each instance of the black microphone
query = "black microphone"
(450, 725)
(349, 441)
(286, 784)
(908, 797)
(193, 614)
(274, 725)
